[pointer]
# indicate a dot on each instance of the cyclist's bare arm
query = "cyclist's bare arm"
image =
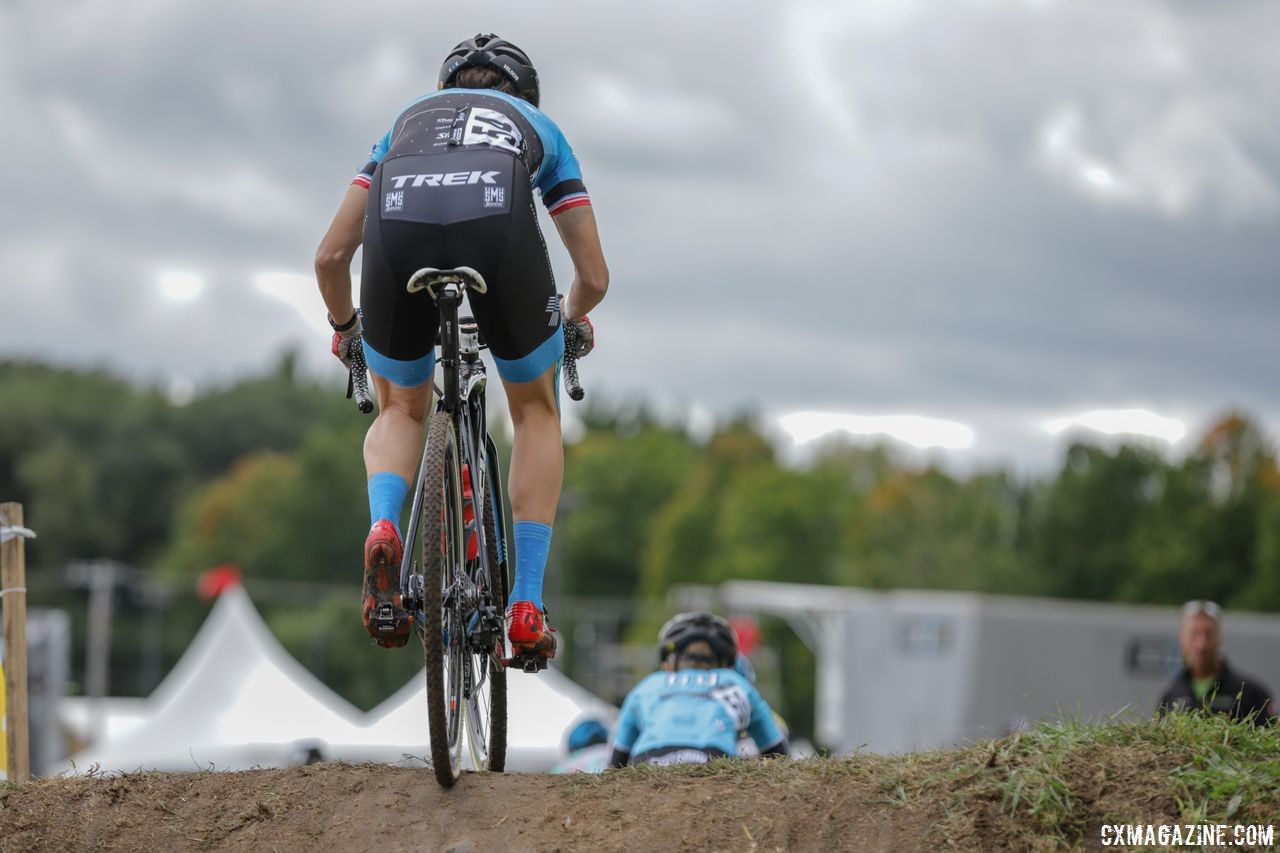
(333, 258)
(577, 227)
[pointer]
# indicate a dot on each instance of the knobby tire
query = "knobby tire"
(441, 487)
(497, 671)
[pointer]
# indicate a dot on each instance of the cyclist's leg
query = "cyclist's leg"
(398, 337)
(537, 455)
(393, 443)
(399, 333)
(391, 449)
(537, 472)
(534, 482)
(520, 318)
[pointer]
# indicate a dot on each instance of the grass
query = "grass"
(1193, 769)
(1050, 787)
(1056, 784)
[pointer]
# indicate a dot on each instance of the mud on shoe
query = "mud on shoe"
(528, 630)
(384, 617)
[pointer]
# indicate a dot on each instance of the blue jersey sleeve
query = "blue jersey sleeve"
(364, 177)
(628, 728)
(762, 728)
(559, 177)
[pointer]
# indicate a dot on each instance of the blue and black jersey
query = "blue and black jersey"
(695, 709)
(452, 183)
(469, 118)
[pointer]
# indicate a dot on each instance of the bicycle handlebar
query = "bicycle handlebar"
(358, 380)
(571, 383)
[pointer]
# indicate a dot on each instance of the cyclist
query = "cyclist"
(747, 747)
(451, 184)
(587, 748)
(692, 710)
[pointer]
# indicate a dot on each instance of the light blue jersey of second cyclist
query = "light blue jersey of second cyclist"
(696, 708)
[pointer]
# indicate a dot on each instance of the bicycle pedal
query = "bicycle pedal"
(385, 619)
(529, 663)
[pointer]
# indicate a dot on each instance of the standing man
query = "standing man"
(452, 184)
(1205, 680)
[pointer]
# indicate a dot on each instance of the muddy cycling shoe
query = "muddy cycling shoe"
(529, 632)
(384, 617)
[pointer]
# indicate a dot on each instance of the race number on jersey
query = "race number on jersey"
(734, 700)
(490, 127)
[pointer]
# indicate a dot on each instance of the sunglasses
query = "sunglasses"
(1196, 608)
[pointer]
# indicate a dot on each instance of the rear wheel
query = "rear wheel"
(444, 640)
(487, 703)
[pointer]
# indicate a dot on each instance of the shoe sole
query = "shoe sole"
(544, 646)
(379, 560)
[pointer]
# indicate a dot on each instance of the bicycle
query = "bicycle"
(454, 579)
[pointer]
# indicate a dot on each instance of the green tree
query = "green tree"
(93, 459)
(1083, 521)
(683, 545)
(1207, 536)
(929, 530)
(775, 523)
(299, 516)
(274, 411)
(614, 486)
(236, 519)
(1262, 590)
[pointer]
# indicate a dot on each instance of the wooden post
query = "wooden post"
(13, 581)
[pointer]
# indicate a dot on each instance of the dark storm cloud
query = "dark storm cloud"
(968, 210)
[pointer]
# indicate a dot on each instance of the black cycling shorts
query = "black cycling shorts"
(470, 208)
(667, 755)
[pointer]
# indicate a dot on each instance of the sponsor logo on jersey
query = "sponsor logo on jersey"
(492, 128)
(495, 196)
(394, 202)
(446, 179)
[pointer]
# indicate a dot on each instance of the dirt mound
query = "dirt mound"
(1052, 787)
(344, 807)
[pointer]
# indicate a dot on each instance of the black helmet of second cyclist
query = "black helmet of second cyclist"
(496, 53)
(685, 628)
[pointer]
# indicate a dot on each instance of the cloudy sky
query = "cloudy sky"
(982, 218)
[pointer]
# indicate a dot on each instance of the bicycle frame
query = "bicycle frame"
(457, 594)
(464, 381)
(462, 396)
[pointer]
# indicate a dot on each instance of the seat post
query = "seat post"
(448, 300)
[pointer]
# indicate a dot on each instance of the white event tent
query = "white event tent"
(540, 710)
(235, 700)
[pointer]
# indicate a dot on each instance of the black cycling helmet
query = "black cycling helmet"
(685, 628)
(496, 53)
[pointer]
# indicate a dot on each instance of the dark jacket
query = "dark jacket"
(1234, 693)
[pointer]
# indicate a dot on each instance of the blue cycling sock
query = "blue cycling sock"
(533, 541)
(386, 497)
